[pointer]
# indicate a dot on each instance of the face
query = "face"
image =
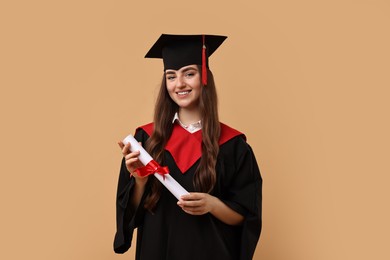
(184, 86)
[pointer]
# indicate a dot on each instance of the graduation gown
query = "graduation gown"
(170, 233)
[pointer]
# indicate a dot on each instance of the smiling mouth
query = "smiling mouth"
(183, 93)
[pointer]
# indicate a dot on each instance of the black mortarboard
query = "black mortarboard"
(181, 50)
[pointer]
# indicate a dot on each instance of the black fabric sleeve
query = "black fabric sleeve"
(127, 219)
(245, 197)
(252, 225)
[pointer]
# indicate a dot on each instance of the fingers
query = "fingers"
(131, 155)
(196, 211)
(191, 203)
(130, 162)
(125, 147)
(194, 203)
(131, 158)
(126, 150)
(193, 196)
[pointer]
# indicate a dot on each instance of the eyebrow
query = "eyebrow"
(189, 68)
(184, 70)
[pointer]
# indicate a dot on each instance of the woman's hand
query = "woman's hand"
(132, 161)
(197, 203)
(201, 203)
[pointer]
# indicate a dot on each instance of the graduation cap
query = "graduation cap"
(178, 51)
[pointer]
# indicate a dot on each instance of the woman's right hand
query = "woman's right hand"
(132, 161)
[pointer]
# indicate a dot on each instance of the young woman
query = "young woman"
(221, 217)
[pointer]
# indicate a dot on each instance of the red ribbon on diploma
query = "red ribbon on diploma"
(151, 168)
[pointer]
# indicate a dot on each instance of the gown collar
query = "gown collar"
(186, 147)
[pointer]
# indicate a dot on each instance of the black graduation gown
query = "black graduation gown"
(170, 233)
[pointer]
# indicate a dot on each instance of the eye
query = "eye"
(170, 77)
(190, 74)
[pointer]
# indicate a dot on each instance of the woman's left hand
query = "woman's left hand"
(197, 203)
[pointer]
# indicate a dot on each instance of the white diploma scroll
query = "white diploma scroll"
(167, 180)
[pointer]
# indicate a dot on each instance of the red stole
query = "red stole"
(186, 148)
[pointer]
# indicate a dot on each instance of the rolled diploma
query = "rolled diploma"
(169, 182)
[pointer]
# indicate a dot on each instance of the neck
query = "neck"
(188, 116)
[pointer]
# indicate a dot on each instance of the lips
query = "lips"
(183, 93)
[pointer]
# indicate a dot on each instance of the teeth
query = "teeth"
(183, 92)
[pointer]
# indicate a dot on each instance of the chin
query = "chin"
(182, 105)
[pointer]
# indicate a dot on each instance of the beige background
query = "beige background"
(307, 81)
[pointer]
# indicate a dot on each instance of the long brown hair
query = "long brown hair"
(205, 175)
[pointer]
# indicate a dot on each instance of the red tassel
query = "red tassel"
(204, 69)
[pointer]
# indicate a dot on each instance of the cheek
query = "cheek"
(197, 86)
(170, 88)
(171, 92)
(194, 84)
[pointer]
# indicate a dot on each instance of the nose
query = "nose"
(180, 81)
